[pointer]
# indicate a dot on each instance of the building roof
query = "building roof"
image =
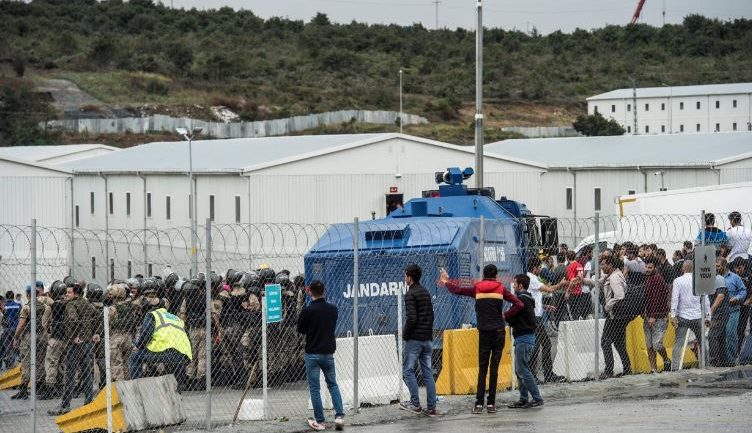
(677, 91)
(28, 163)
(45, 153)
(675, 150)
(241, 155)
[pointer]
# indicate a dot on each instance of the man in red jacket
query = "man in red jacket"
(489, 295)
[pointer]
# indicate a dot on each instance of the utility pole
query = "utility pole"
(436, 2)
(664, 12)
(479, 97)
(634, 106)
(400, 86)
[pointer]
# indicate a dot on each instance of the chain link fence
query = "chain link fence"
(239, 290)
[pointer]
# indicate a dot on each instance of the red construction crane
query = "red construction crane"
(637, 11)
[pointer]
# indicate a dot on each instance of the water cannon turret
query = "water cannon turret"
(453, 175)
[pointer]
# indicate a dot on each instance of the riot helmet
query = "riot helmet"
(94, 292)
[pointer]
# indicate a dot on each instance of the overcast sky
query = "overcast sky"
(546, 15)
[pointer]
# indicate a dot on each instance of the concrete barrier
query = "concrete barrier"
(148, 403)
(459, 370)
(638, 352)
(379, 371)
(575, 350)
(11, 378)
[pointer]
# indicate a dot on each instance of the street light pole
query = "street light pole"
(189, 135)
(479, 96)
(400, 115)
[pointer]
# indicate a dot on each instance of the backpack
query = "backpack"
(633, 303)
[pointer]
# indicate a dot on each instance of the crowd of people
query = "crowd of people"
(156, 325)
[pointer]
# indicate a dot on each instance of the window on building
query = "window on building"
(647, 129)
(237, 208)
(717, 104)
(613, 108)
(629, 107)
(91, 202)
(631, 192)
(698, 105)
(733, 103)
(112, 203)
(595, 109)
(647, 107)
(717, 127)
(663, 106)
(130, 269)
(697, 127)
(167, 208)
(629, 129)
(148, 205)
(93, 268)
(77, 218)
(733, 126)
(150, 270)
(211, 208)
(663, 128)
(128, 204)
(681, 105)
(570, 196)
(597, 199)
(681, 128)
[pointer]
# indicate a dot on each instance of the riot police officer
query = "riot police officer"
(95, 296)
(193, 314)
(22, 338)
(123, 323)
(56, 344)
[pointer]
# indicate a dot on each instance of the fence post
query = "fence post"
(356, 289)
(264, 366)
(596, 298)
(399, 342)
(208, 318)
(108, 374)
(33, 304)
(703, 338)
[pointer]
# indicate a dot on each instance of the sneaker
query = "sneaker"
(667, 365)
(59, 411)
(491, 408)
(477, 409)
(535, 403)
(315, 426)
(406, 405)
(519, 404)
(556, 379)
(339, 423)
(430, 412)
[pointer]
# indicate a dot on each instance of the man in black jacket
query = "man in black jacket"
(418, 336)
(523, 326)
(318, 322)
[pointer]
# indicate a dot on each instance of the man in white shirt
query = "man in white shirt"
(686, 312)
(739, 237)
(542, 340)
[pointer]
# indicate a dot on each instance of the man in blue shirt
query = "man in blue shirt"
(737, 293)
(713, 235)
(11, 309)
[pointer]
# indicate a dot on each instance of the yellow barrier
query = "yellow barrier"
(11, 378)
(459, 371)
(94, 415)
(638, 352)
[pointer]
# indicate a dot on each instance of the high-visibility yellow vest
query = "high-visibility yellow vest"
(169, 333)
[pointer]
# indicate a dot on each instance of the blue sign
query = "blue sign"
(273, 303)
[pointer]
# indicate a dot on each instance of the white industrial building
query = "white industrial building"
(586, 174)
(55, 154)
(305, 180)
(678, 110)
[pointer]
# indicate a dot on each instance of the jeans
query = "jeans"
(419, 351)
(523, 355)
(717, 341)
(314, 365)
(173, 361)
(684, 325)
(744, 317)
(490, 346)
(542, 344)
(80, 357)
(615, 332)
(732, 337)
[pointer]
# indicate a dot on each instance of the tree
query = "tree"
(21, 111)
(596, 124)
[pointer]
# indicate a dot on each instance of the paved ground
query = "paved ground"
(67, 97)
(713, 400)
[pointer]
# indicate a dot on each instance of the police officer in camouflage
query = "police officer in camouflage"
(22, 338)
(95, 296)
(80, 317)
(56, 344)
(193, 314)
(123, 323)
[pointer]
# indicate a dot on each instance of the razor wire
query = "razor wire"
(247, 257)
